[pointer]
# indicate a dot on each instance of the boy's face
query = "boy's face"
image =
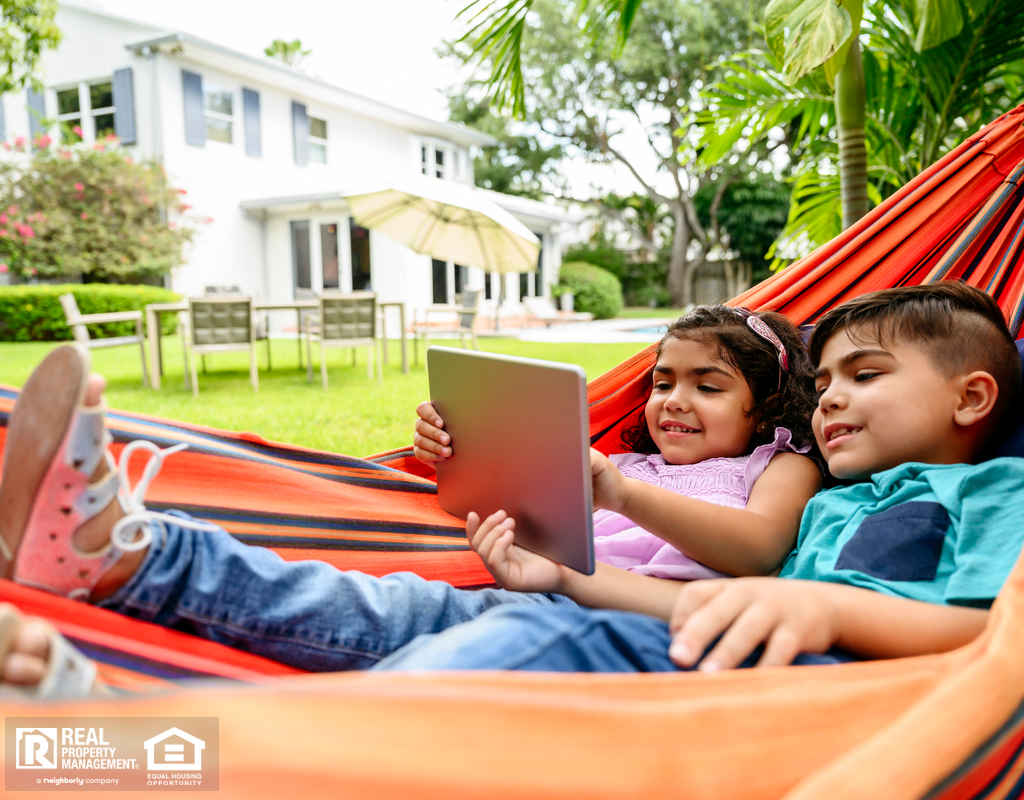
(880, 406)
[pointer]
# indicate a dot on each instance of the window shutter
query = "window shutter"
(124, 106)
(251, 121)
(3, 120)
(195, 118)
(300, 129)
(36, 112)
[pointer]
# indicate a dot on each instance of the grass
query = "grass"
(644, 312)
(356, 416)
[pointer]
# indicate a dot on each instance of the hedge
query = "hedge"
(32, 312)
(596, 290)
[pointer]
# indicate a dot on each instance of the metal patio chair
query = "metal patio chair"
(78, 321)
(343, 320)
(219, 325)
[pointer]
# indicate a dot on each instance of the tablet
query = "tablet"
(520, 439)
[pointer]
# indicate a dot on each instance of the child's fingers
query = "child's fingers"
(482, 537)
(752, 627)
(430, 443)
(426, 412)
(498, 558)
(704, 625)
(783, 646)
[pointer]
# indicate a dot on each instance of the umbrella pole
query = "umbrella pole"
(501, 300)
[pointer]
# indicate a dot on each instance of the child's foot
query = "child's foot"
(58, 492)
(37, 662)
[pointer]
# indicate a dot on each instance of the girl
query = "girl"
(713, 484)
(727, 389)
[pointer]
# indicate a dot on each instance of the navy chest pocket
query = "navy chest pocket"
(903, 543)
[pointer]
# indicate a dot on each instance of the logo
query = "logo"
(169, 751)
(36, 748)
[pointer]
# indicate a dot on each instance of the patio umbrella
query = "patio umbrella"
(962, 218)
(448, 221)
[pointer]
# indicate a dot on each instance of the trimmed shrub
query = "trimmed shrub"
(32, 313)
(596, 290)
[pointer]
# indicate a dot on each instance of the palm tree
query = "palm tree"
(927, 79)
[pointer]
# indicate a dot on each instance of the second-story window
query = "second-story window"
(85, 111)
(318, 140)
(434, 161)
(219, 109)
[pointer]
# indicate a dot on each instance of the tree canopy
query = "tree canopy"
(26, 30)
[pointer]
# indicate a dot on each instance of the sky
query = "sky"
(380, 48)
(383, 49)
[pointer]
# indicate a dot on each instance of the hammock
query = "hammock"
(946, 727)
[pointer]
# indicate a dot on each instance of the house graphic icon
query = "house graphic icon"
(169, 751)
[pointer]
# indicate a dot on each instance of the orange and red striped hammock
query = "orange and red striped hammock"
(946, 727)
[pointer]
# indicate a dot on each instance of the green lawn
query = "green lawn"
(355, 417)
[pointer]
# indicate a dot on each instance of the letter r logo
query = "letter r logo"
(36, 748)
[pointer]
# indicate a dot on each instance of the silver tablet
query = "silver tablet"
(520, 442)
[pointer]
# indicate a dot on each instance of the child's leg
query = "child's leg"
(56, 520)
(307, 614)
(557, 639)
(38, 663)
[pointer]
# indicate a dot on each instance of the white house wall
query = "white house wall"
(253, 249)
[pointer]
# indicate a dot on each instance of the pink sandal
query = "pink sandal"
(54, 445)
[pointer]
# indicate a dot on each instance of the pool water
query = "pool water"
(651, 329)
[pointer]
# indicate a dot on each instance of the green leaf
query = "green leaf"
(812, 32)
(937, 21)
(834, 64)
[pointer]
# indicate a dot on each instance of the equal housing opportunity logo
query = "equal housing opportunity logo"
(102, 754)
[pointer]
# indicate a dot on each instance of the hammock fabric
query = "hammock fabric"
(946, 727)
(962, 218)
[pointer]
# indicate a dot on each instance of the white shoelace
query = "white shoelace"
(134, 531)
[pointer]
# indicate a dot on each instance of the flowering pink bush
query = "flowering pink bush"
(88, 211)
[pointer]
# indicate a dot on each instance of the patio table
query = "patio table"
(154, 310)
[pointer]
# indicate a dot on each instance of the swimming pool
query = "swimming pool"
(651, 329)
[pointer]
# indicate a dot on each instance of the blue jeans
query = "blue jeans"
(306, 614)
(562, 638)
(312, 616)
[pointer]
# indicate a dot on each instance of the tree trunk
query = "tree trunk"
(680, 284)
(853, 156)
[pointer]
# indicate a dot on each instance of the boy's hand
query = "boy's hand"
(609, 485)
(512, 567)
(787, 617)
(430, 443)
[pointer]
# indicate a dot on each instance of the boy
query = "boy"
(901, 565)
(912, 384)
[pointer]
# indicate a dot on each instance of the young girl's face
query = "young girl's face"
(700, 405)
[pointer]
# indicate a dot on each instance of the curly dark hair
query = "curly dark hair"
(788, 405)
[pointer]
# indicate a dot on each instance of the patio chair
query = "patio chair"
(219, 325)
(78, 321)
(461, 325)
(343, 320)
(542, 309)
(260, 321)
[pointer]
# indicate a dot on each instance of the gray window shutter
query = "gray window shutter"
(3, 120)
(124, 106)
(251, 117)
(36, 112)
(195, 117)
(300, 130)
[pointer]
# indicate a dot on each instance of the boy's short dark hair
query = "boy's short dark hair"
(961, 328)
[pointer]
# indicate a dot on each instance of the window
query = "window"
(461, 279)
(318, 140)
(360, 241)
(329, 254)
(538, 276)
(524, 285)
(434, 161)
(487, 286)
(85, 111)
(218, 105)
(300, 257)
(440, 280)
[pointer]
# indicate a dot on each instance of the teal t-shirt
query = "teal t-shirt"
(937, 533)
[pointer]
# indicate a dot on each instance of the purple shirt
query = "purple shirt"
(722, 481)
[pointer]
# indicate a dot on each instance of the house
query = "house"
(266, 153)
(171, 749)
